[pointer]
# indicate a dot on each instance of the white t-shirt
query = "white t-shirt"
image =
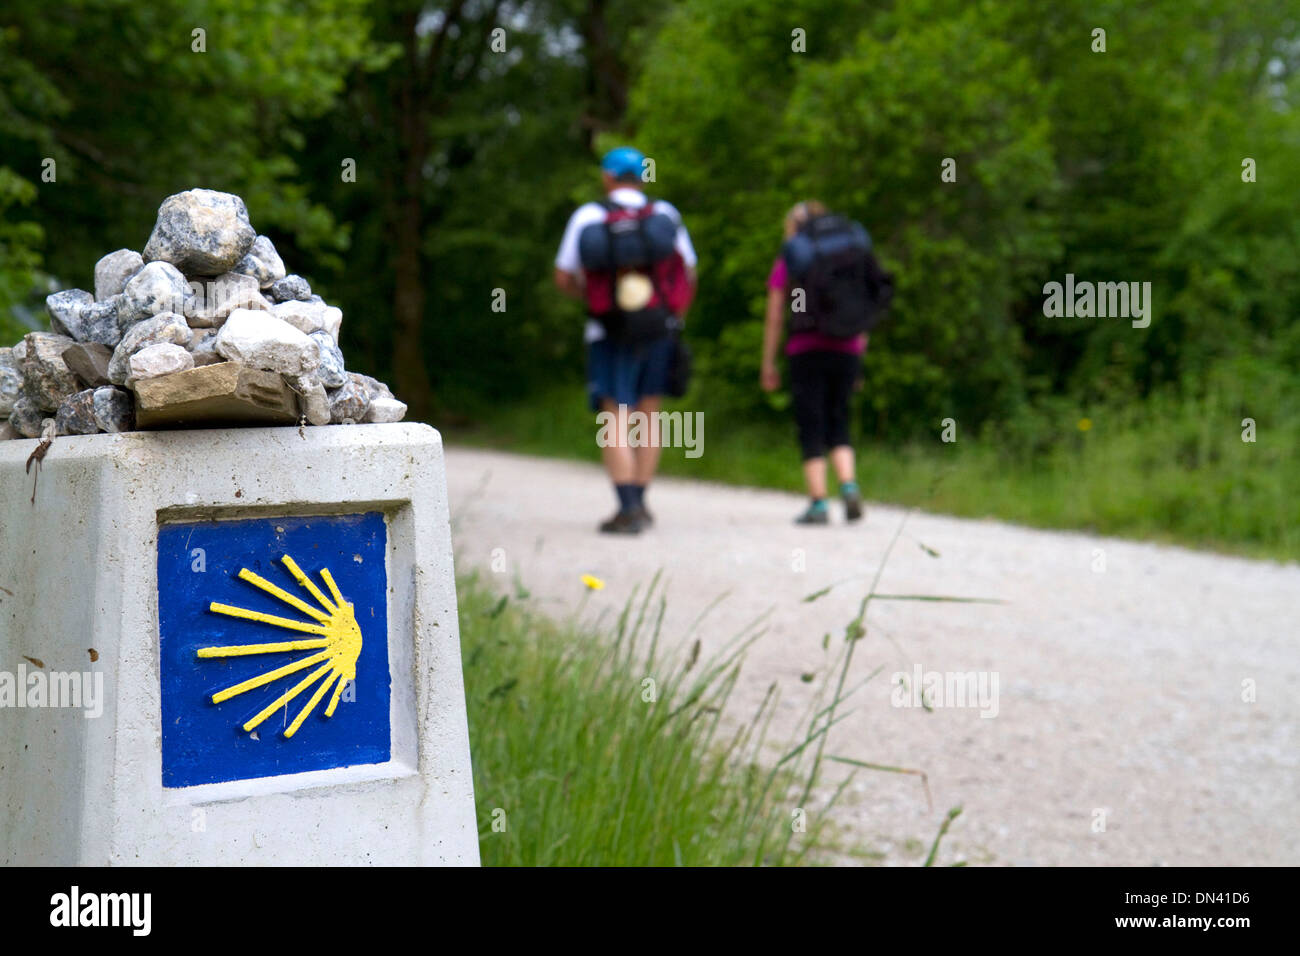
(567, 258)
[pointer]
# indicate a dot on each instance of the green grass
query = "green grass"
(1170, 471)
(578, 761)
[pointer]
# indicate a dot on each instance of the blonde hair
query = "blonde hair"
(800, 213)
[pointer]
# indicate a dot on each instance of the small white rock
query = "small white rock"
(313, 400)
(161, 359)
(215, 299)
(167, 327)
(383, 411)
(157, 288)
(309, 317)
(333, 322)
(262, 263)
(114, 409)
(260, 340)
(112, 272)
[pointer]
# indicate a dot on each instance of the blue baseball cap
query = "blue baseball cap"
(623, 161)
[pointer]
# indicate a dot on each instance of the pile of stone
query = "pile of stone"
(203, 328)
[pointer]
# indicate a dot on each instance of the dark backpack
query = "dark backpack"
(845, 290)
(634, 240)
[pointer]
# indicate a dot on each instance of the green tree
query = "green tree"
(1122, 164)
(107, 107)
(20, 241)
(472, 147)
(864, 119)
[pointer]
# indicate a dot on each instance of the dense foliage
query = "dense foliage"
(473, 126)
(1123, 165)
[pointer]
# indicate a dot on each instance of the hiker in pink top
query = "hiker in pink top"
(841, 292)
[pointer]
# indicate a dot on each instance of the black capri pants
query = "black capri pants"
(821, 384)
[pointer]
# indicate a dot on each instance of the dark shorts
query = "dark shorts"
(625, 374)
(821, 385)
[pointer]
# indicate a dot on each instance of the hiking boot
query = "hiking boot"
(852, 502)
(815, 513)
(624, 522)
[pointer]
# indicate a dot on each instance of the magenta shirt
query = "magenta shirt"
(800, 342)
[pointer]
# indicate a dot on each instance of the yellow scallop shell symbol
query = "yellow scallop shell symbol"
(337, 648)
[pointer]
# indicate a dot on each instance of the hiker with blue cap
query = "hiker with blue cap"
(629, 259)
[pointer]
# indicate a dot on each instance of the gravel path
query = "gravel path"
(1121, 667)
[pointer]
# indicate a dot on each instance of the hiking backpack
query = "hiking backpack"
(633, 242)
(845, 289)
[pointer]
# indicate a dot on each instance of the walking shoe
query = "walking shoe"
(624, 522)
(643, 513)
(816, 513)
(852, 501)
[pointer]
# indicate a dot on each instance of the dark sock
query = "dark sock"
(640, 495)
(627, 496)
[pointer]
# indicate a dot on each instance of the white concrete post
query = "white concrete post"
(150, 576)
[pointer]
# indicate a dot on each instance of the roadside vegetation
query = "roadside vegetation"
(594, 746)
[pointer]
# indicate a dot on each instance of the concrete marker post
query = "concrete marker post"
(107, 561)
